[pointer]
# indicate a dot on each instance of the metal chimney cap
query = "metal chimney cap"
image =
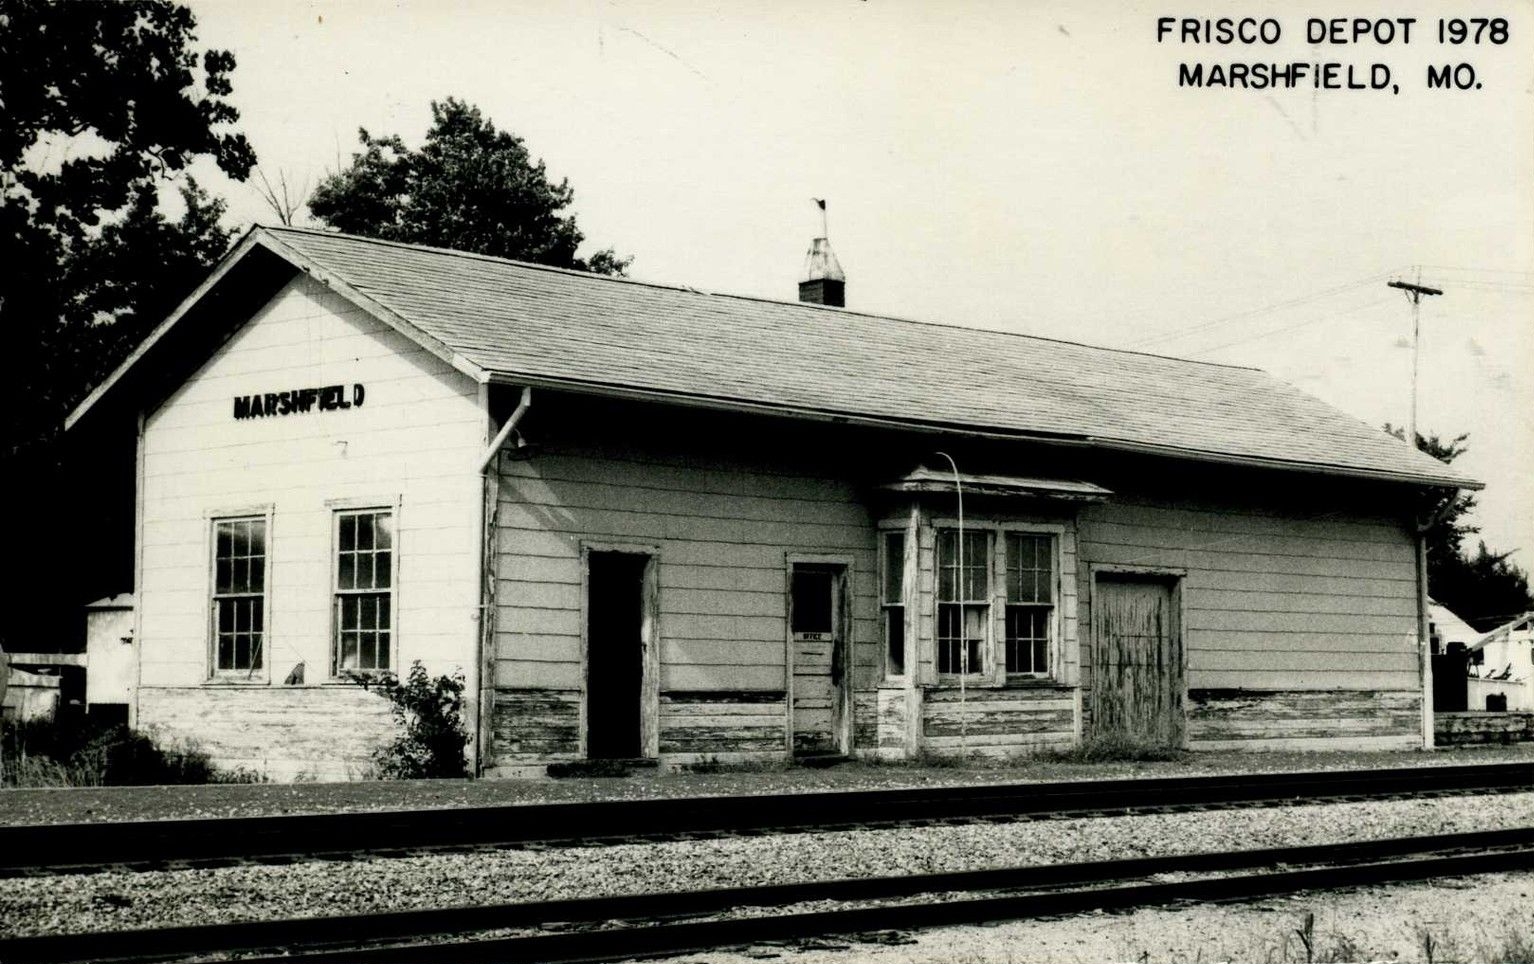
(820, 263)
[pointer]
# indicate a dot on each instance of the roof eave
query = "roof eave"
(609, 390)
(257, 236)
(238, 251)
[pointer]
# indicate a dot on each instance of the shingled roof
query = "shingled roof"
(529, 324)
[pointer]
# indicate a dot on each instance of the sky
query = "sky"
(1033, 167)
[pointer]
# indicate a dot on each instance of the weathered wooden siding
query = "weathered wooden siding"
(284, 733)
(1303, 719)
(998, 722)
(532, 726)
(882, 724)
(722, 518)
(1298, 598)
(701, 726)
(414, 442)
(1460, 729)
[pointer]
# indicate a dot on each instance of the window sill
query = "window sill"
(237, 681)
(1036, 683)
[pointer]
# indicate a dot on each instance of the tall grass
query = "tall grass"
(74, 750)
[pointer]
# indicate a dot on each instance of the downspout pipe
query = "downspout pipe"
(489, 484)
(506, 430)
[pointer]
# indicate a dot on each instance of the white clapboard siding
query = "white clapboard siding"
(723, 524)
(413, 443)
(1296, 597)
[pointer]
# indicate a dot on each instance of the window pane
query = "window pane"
(257, 614)
(258, 538)
(225, 540)
(256, 578)
(974, 582)
(365, 651)
(241, 543)
(812, 600)
(383, 530)
(364, 532)
(348, 533)
(347, 578)
(383, 650)
(894, 637)
(225, 651)
(1030, 568)
(383, 613)
(894, 566)
(348, 658)
(381, 574)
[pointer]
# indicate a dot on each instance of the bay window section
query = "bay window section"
(1030, 591)
(963, 601)
(364, 594)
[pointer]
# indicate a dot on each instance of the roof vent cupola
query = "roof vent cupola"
(823, 282)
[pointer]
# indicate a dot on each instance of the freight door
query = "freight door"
(1138, 676)
(817, 642)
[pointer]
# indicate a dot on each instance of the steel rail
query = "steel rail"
(66, 848)
(1060, 889)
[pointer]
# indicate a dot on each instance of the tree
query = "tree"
(100, 104)
(1485, 589)
(470, 187)
(103, 108)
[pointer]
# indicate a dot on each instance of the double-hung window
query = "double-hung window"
(239, 595)
(1030, 585)
(963, 600)
(364, 593)
(892, 601)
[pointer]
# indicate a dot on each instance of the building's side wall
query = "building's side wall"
(723, 514)
(1300, 614)
(412, 446)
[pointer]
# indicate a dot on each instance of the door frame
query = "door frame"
(841, 730)
(649, 642)
(1172, 575)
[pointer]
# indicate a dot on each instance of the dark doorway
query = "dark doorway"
(614, 655)
(817, 635)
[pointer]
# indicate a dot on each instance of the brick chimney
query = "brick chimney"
(823, 282)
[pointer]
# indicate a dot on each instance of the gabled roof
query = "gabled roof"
(508, 321)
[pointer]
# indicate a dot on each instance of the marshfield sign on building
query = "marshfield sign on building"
(647, 522)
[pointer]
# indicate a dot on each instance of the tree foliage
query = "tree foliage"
(1485, 589)
(469, 187)
(100, 105)
(103, 109)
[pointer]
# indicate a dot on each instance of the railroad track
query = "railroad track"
(174, 844)
(647, 925)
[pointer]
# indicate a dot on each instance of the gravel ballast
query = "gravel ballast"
(1484, 918)
(156, 898)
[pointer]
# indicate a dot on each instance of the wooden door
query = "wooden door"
(1138, 675)
(817, 641)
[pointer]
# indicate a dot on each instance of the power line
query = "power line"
(1227, 319)
(1279, 331)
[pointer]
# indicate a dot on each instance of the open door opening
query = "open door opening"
(615, 663)
(817, 608)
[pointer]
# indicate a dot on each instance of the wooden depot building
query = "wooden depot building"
(653, 523)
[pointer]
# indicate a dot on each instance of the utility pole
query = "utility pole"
(1415, 290)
